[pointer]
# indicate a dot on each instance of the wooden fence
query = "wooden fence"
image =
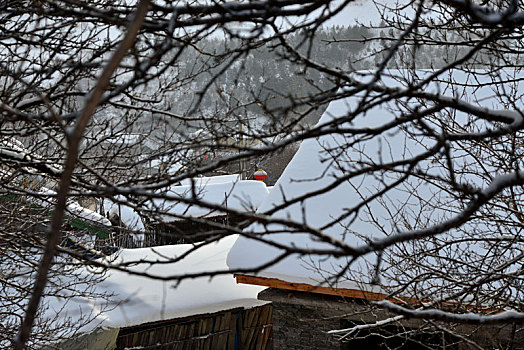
(236, 329)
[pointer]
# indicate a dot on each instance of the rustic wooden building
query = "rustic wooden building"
(197, 313)
(305, 316)
(238, 328)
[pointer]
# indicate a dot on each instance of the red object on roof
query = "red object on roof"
(260, 175)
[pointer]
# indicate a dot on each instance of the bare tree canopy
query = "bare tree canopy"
(407, 124)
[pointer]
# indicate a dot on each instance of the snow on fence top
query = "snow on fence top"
(320, 162)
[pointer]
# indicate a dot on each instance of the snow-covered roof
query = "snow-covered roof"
(73, 208)
(130, 139)
(314, 167)
(77, 211)
(141, 300)
(127, 214)
(227, 191)
(15, 150)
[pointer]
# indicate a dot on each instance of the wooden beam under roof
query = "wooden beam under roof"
(351, 293)
(304, 287)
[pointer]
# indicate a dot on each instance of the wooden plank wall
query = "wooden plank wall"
(238, 329)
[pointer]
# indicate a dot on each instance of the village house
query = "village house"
(143, 312)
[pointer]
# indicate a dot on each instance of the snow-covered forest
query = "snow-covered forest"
(390, 132)
(265, 78)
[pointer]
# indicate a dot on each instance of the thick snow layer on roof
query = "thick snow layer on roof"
(304, 173)
(127, 214)
(244, 195)
(73, 209)
(77, 211)
(16, 150)
(313, 168)
(141, 299)
(128, 218)
(129, 139)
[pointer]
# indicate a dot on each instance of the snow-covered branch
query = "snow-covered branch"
(441, 315)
